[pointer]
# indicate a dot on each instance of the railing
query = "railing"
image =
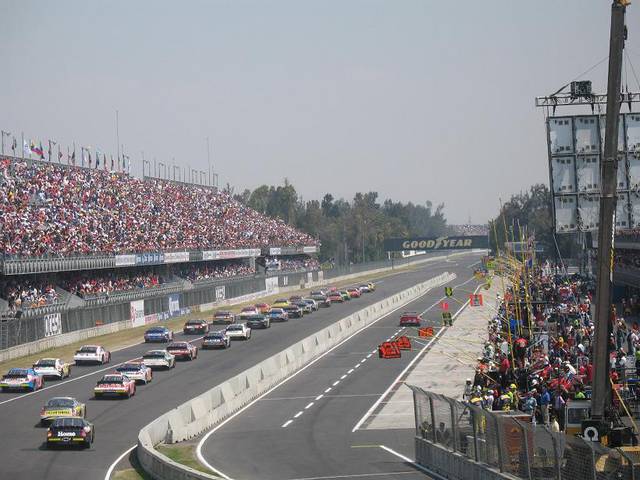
(456, 440)
(130, 295)
(25, 266)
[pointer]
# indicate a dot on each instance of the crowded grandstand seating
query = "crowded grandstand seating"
(55, 210)
(215, 270)
(291, 264)
(21, 293)
(627, 259)
(96, 284)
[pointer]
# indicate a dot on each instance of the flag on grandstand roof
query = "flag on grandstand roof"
(97, 158)
(37, 149)
(112, 162)
(73, 157)
(104, 160)
(14, 145)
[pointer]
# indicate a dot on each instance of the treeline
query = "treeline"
(350, 231)
(529, 214)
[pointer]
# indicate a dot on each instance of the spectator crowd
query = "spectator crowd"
(291, 264)
(541, 358)
(48, 209)
(88, 285)
(25, 292)
(197, 272)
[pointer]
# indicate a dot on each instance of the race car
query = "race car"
(70, 431)
(258, 321)
(294, 311)
(115, 384)
(304, 306)
(159, 359)
(354, 292)
(364, 288)
(410, 319)
(92, 354)
(322, 301)
(278, 315)
(280, 303)
(52, 367)
(216, 340)
(263, 307)
(137, 371)
(312, 303)
(60, 407)
(335, 297)
(294, 298)
(195, 327)
(248, 311)
(21, 379)
(345, 295)
(224, 316)
(372, 286)
(158, 334)
(183, 350)
(238, 330)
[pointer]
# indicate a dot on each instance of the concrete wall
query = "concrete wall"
(453, 466)
(79, 335)
(201, 413)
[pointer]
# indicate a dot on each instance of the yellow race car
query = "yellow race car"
(280, 303)
(59, 407)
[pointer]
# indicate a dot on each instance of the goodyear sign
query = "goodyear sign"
(436, 243)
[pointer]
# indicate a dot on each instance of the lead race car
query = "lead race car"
(137, 371)
(62, 407)
(52, 367)
(115, 384)
(21, 379)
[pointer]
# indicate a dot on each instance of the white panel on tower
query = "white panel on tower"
(622, 172)
(634, 171)
(560, 135)
(635, 209)
(563, 175)
(587, 134)
(589, 210)
(622, 211)
(603, 122)
(633, 131)
(566, 213)
(588, 172)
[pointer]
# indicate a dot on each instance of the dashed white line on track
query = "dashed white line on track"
(309, 405)
(287, 423)
(298, 414)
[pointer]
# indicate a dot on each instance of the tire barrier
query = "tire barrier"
(425, 332)
(203, 412)
(403, 343)
(389, 350)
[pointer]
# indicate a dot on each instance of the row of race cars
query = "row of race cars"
(66, 416)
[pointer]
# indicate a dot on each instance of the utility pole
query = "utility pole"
(601, 395)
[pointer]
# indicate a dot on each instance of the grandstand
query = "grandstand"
(83, 247)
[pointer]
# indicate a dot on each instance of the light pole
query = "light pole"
(174, 167)
(162, 166)
(3, 134)
(144, 162)
(364, 224)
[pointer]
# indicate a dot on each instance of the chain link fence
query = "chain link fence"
(509, 445)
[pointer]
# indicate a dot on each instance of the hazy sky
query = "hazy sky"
(417, 100)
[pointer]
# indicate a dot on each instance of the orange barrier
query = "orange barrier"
(403, 343)
(388, 350)
(425, 332)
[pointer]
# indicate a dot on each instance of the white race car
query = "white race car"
(52, 367)
(238, 330)
(159, 359)
(137, 371)
(92, 354)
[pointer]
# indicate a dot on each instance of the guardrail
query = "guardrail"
(459, 441)
(201, 413)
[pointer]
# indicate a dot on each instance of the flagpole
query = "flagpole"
(118, 132)
(22, 146)
(209, 160)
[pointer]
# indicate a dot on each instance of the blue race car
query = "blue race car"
(158, 334)
(21, 379)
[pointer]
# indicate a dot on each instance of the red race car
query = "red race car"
(410, 319)
(115, 384)
(183, 350)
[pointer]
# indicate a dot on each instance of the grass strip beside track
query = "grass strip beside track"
(133, 336)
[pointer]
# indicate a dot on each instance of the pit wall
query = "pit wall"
(203, 412)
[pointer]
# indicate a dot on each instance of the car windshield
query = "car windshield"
(235, 327)
(88, 350)
(214, 335)
(194, 322)
(249, 309)
(153, 355)
(49, 362)
(223, 314)
(17, 373)
(111, 379)
(276, 311)
(156, 330)
(129, 368)
(282, 300)
(60, 403)
(68, 422)
(177, 346)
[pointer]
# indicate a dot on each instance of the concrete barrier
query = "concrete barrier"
(204, 411)
(79, 335)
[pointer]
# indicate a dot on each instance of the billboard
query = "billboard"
(436, 243)
(52, 324)
(137, 313)
(575, 145)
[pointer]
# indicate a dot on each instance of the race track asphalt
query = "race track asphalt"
(117, 422)
(303, 429)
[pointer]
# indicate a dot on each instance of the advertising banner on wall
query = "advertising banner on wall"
(174, 303)
(52, 324)
(271, 284)
(176, 257)
(149, 258)
(228, 254)
(436, 243)
(220, 293)
(125, 260)
(137, 313)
